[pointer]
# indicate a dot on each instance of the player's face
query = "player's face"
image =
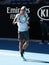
(22, 11)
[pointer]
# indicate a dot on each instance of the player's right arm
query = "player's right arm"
(15, 19)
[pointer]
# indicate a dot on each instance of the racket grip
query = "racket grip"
(15, 22)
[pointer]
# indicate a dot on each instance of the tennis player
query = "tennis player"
(22, 20)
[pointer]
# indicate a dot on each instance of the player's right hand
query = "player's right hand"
(13, 23)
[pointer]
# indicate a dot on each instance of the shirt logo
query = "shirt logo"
(24, 19)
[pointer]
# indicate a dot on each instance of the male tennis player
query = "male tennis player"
(22, 20)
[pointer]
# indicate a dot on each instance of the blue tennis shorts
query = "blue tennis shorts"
(23, 35)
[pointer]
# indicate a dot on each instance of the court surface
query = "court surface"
(35, 54)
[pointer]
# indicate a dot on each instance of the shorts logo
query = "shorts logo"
(43, 13)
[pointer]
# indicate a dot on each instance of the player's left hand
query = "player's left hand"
(28, 27)
(28, 22)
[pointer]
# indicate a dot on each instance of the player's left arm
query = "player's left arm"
(28, 21)
(27, 18)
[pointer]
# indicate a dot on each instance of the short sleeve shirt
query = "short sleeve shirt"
(22, 22)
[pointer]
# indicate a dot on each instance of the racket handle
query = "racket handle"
(15, 22)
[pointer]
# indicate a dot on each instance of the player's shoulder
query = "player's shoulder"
(26, 13)
(17, 14)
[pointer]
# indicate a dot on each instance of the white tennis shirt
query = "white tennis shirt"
(22, 22)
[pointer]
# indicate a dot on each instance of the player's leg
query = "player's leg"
(20, 46)
(25, 45)
(26, 34)
(21, 50)
(20, 39)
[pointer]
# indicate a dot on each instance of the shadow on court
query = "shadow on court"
(38, 61)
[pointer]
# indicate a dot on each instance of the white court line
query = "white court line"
(9, 54)
(9, 39)
(15, 39)
(18, 54)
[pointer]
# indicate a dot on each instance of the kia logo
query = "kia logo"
(43, 13)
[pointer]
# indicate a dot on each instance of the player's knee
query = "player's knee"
(27, 42)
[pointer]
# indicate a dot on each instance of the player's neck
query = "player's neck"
(21, 14)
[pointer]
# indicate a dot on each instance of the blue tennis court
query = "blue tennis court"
(35, 54)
